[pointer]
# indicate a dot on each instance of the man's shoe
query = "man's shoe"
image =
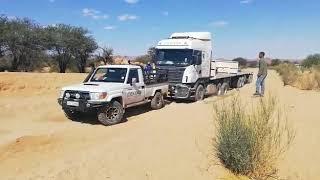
(256, 94)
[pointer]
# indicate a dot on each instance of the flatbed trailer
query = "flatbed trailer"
(217, 85)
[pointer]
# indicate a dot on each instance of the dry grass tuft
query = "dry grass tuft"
(288, 72)
(308, 79)
(250, 143)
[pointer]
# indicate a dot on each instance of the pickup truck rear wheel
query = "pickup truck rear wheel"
(157, 101)
(111, 114)
(199, 95)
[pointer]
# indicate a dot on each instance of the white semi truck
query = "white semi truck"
(192, 72)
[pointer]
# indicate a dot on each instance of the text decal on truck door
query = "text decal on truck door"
(134, 93)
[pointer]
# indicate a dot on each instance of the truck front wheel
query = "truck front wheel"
(111, 114)
(199, 95)
(157, 101)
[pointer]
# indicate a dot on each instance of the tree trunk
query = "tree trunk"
(62, 64)
(82, 64)
(14, 65)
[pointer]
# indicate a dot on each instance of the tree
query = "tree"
(25, 45)
(107, 55)
(152, 53)
(242, 62)
(57, 42)
(275, 62)
(3, 21)
(67, 43)
(20, 40)
(144, 59)
(311, 60)
(83, 47)
(149, 57)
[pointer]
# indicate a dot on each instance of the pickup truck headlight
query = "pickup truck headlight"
(61, 94)
(98, 95)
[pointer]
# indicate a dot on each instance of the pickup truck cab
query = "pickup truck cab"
(110, 89)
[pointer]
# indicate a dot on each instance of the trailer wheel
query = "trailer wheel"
(199, 95)
(223, 89)
(220, 90)
(249, 79)
(240, 82)
(72, 115)
(243, 82)
(111, 114)
(157, 101)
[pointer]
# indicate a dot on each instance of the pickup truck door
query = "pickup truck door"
(136, 91)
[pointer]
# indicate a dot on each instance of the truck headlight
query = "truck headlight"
(98, 95)
(61, 94)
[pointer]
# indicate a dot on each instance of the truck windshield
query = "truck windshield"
(116, 75)
(179, 57)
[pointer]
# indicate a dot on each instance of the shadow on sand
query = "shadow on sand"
(91, 117)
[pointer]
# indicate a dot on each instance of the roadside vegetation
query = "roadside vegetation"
(305, 77)
(28, 46)
(250, 142)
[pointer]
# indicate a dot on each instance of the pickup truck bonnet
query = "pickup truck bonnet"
(96, 87)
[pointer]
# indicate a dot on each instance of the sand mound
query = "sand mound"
(26, 144)
(36, 83)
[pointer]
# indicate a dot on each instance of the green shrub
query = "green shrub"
(275, 62)
(311, 61)
(250, 142)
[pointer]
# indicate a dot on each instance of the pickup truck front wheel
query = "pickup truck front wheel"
(157, 101)
(111, 114)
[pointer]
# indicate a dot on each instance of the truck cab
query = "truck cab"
(110, 89)
(187, 59)
(186, 56)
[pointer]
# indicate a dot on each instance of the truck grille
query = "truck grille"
(83, 95)
(175, 75)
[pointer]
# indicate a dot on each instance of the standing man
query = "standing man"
(148, 69)
(262, 74)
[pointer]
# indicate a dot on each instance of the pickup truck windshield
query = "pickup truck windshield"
(179, 57)
(116, 75)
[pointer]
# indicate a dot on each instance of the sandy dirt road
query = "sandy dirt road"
(38, 142)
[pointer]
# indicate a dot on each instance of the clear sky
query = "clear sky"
(282, 28)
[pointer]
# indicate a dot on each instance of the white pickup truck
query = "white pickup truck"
(110, 89)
